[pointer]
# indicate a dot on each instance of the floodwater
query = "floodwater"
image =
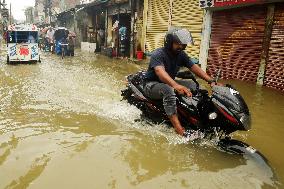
(63, 125)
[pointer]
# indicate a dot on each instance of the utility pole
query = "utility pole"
(45, 9)
(1, 28)
(10, 15)
(32, 16)
(4, 13)
(1, 8)
(49, 10)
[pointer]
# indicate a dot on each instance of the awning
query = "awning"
(225, 4)
(64, 13)
(87, 5)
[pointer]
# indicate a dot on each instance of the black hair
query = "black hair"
(168, 41)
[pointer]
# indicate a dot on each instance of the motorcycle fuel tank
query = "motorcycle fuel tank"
(230, 100)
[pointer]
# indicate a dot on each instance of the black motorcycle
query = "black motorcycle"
(216, 116)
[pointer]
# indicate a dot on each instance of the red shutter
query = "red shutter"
(275, 66)
(236, 42)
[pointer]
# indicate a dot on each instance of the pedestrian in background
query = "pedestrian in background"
(71, 45)
(1, 39)
(5, 36)
(49, 39)
(122, 41)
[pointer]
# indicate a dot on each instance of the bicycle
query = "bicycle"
(63, 49)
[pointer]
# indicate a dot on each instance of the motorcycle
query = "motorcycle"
(217, 115)
(49, 45)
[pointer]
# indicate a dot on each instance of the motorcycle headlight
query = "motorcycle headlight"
(212, 115)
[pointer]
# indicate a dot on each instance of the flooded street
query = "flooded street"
(63, 125)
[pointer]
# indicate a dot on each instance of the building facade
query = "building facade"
(160, 15)
(46, 10)
(245, 39)
(100, 22)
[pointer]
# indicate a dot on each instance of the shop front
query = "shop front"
(119, 29)
(96, 26)
(274, 73)
(91, 19)
(162, 14)
(245, 40)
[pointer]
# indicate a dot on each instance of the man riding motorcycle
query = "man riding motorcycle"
(164, 65)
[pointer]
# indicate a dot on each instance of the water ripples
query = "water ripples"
(65, 119)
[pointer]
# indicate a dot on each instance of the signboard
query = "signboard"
(23, 52)
(29, 27)
(226, 3)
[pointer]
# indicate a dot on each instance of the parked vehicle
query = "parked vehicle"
(64, 42)
(22, 44)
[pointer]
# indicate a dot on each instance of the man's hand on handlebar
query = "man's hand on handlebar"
(216, 83)
(213, 83)
(183, 90)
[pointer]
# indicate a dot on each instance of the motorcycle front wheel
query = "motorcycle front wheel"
(238, 147)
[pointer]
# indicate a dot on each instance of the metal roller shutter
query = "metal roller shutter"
(275, 66)
(157, 23)
(236, 42)
(188, 14)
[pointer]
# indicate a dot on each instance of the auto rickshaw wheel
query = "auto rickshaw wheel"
(8, 61)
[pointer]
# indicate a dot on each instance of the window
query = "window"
(22, 37)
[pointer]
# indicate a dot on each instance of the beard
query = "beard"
(177, 51)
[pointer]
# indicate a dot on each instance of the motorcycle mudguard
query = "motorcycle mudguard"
(239, 147)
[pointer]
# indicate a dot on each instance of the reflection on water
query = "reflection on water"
(63, 125)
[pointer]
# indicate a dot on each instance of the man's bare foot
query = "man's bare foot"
(193, 135)
(175, 122)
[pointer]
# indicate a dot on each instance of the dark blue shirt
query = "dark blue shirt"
(171, 63)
